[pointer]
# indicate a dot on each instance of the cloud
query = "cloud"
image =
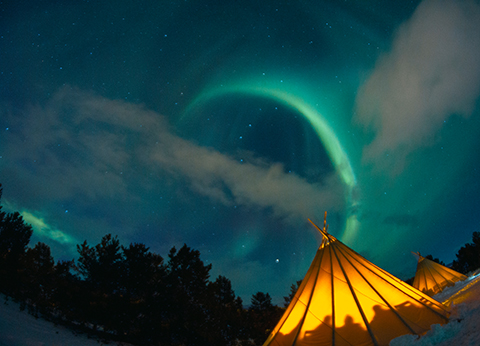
(81, 145)
(431, 73)
(258, 184)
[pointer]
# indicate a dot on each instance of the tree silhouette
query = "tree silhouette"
(143, 281)
(293, 291)
(468, 257)
(14, 238)
(263, 316)
(38, 276)
(129, 293)
(67, 290)
(100, 265)
(141, 269)
(101, 268)
(225, 313)
(430, 257)
(186, 280)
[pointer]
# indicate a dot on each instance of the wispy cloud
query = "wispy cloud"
(257, 184)
(81, 144)
(431, 73)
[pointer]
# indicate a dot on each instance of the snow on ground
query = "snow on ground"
(18, 328)
(463, 328)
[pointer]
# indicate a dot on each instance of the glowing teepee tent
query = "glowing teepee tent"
(346, 300)
(432, 277)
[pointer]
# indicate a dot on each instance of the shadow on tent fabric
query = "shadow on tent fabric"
(384, 326)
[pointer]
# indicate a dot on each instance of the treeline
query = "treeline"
(468, 257)
(130, 293)
(134, 295)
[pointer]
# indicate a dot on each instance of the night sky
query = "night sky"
(225, 125)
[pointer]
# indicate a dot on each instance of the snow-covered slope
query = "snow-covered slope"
(464, 326)
(19, 328)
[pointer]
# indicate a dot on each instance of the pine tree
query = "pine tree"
(14, 238)
(101, 268)
(225, 313)
(263, 316)
(38, 277)
(468, 257)
(293, 291)
(187, 279)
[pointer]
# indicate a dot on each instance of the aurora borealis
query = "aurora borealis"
(225, 125)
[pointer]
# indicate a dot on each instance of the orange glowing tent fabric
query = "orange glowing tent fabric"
(432, 277)
(346, 300)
